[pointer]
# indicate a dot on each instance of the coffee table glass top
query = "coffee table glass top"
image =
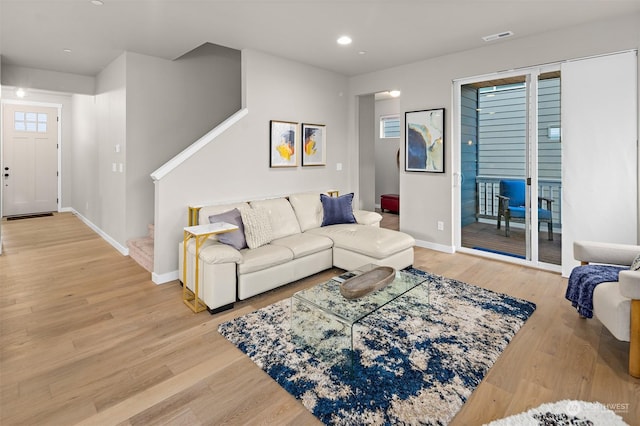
(323, 320)
(327, 296)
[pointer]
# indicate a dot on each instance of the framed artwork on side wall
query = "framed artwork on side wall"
(424, 141)
(283, 136)
(313, 144)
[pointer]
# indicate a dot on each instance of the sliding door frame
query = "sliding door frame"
(531, 75)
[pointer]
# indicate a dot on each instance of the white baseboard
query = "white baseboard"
(434, 246)
(164, 278)
(123, 250)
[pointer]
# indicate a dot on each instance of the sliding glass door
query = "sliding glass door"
(510, 166)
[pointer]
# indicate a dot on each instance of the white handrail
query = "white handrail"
(167, 167)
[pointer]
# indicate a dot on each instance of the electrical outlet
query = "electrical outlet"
(440, 225)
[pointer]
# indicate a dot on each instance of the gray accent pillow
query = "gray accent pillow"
(235, 238)
(635, 265)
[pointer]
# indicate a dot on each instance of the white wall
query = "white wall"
(31, 78)
(111, 130)
(387, 172)
(84, 158)
(236, 165)
(427, 198)
(145, 111)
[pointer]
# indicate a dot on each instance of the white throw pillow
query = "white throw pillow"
(257, 227)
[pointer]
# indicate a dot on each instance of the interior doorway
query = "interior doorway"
(510, 185)
(30, 147)
(379, 131)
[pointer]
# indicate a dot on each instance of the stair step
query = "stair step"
(141, 250)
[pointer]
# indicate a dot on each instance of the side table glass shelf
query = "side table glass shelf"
(200, 233)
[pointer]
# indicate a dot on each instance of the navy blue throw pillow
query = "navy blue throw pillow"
(337, 209)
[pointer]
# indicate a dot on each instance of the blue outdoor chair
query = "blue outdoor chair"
(511, 206)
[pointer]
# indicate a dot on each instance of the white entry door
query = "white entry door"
(29, 159)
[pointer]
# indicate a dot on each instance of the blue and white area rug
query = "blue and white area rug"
(420, 356)
(564, 413)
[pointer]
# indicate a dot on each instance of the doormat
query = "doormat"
(28, 216)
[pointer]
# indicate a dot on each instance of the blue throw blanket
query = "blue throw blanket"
(583, 280)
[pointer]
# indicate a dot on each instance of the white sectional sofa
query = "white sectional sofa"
(297, 245)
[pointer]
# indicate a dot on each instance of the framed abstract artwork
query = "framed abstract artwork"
(424, 141)
(313, 145)
(283, 137)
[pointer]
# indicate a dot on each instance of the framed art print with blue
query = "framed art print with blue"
(313, 145)
(424, 141)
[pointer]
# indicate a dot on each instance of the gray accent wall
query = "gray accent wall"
(170, 104)
(367, 152)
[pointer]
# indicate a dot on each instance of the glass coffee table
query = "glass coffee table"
(322, 320)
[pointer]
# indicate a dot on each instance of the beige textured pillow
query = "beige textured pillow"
(257, 227)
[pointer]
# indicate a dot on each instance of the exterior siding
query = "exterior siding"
(502, 144)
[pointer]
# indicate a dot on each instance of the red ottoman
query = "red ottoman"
(390, 202)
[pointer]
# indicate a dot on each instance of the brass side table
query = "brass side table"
(200, 233)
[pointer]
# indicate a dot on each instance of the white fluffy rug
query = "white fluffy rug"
(564, 413)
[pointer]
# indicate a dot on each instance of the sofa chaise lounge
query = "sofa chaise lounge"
(288, 238)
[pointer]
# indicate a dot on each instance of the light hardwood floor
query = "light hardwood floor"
(87, 337)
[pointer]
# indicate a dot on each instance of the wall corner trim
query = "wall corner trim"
(166, 168)
(164, 278)
(122, 249)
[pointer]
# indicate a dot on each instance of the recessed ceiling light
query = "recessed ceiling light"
(344, 40)
(21, 93)
(362, 52)
(66, 50)
(97, 2)
(394, 93)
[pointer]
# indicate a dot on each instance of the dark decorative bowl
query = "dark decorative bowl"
(365, 283)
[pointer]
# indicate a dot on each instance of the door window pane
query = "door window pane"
(30, 121)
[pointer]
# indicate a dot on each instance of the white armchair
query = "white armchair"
(616, 304)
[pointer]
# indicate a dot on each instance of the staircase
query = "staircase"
(141, 250)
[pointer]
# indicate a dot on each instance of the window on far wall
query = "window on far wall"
(389, 126)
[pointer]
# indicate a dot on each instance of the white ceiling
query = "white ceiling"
(34, 33)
